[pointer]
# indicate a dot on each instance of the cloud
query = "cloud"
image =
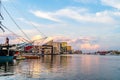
(88, 46)
(45, 15)
(85, 16)
(36, 37)
(112, 3)
(77, 14)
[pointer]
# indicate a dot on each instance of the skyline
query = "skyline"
(87, 25)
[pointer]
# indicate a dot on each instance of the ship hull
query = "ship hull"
(6, 59)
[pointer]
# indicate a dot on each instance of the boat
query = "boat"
(27, 56)
(20, 57)
(6, 59)
(6, 54)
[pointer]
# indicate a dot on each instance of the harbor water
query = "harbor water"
(63, 67)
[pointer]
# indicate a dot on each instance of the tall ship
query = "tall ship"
(6, 53)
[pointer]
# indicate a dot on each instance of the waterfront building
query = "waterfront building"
(52, 47)
(63, 44)
(47, 48)
(69, 49)
(64, 47)
(56, 47)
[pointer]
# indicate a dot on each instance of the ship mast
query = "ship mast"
(1, 18)
(0, 11)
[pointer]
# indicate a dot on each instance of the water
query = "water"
(63, 67)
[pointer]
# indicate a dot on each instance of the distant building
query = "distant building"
(63, 44)
(69, 49)
(52, 47)
(47, 48)
(56, 47)
(63, 47)
(77, 52)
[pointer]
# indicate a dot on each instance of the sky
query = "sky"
(87, 25)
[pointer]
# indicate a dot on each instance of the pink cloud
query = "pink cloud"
(82, 43)
(88, 46)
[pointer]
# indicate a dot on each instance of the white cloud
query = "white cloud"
(88, 46)
(84, 16)
(112, 3)
(36, 37)
(45, 15)
(77, 14)
(116, 13)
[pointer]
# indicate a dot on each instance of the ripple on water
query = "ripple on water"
(66, 67)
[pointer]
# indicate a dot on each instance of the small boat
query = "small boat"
(20, 58)
(31, 56)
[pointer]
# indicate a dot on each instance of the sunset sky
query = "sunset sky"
(88, 25)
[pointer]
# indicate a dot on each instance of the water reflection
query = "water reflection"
(6, 67)
(44, 66)
(89, 63)
(64, 67)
